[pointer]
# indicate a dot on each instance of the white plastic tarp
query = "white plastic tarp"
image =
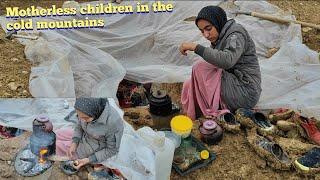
(144, 48)
(21, 112)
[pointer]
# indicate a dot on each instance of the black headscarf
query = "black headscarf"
(92, 107)
(215, 15)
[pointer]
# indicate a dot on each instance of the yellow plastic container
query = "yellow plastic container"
(181, 125)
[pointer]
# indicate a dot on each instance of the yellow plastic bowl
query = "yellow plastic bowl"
(181, 125)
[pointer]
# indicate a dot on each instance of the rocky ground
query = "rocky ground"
(235, 159)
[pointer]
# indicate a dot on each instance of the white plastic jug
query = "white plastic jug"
(164, 158)
(164, 151)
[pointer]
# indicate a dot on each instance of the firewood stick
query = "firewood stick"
(278, 19)
(58, 158)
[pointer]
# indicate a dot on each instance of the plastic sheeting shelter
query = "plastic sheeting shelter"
(144, 48)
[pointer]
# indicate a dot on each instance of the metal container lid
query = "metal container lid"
(42, 118)
(209, 124)
(160, 97)
(159, 94)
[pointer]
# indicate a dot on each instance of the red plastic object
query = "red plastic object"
(310, 128)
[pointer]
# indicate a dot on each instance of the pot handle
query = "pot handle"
(48, 126)
(147, 94)
(201, 121)
(215, 130)
(209, 117)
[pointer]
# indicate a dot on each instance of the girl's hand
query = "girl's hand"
(72, 150)
(187, 46)
(81, 162)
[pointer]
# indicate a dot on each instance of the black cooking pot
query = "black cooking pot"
(42, 138)
(160, 103)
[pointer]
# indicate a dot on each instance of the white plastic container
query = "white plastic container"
(173, 137)
(164, 151)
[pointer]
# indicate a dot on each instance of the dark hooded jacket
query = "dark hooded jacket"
(235, 53)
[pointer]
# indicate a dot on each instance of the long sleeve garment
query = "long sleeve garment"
(100, 139)
(235, 53)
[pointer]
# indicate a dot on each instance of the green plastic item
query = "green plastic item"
(194, 147)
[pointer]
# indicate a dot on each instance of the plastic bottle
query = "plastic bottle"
(65, 104)
(164, 158)
(164, 150)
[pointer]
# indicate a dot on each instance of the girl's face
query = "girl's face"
(208, 30)
(83, 117)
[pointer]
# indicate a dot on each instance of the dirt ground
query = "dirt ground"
(307, 11)
(235, 159)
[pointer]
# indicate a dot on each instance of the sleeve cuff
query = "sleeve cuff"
(199, 50)
(76, 140)
(93, 159)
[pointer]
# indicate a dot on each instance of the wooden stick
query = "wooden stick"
(279, 20)
(58, 158)
(191, 18)
(25, 37)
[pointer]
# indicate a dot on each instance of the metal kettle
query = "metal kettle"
(43, 139)
(160, 103)
(211, 132)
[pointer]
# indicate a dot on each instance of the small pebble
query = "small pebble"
(14, 59)
(12, 86)
(306, 29)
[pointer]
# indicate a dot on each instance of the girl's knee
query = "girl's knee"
(200, 64)
(64, 134)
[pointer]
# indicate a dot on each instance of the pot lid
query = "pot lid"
(159, 94)
(204, 154)
(206, 131)
(42, 118)
(181, 124)
(209, 124)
